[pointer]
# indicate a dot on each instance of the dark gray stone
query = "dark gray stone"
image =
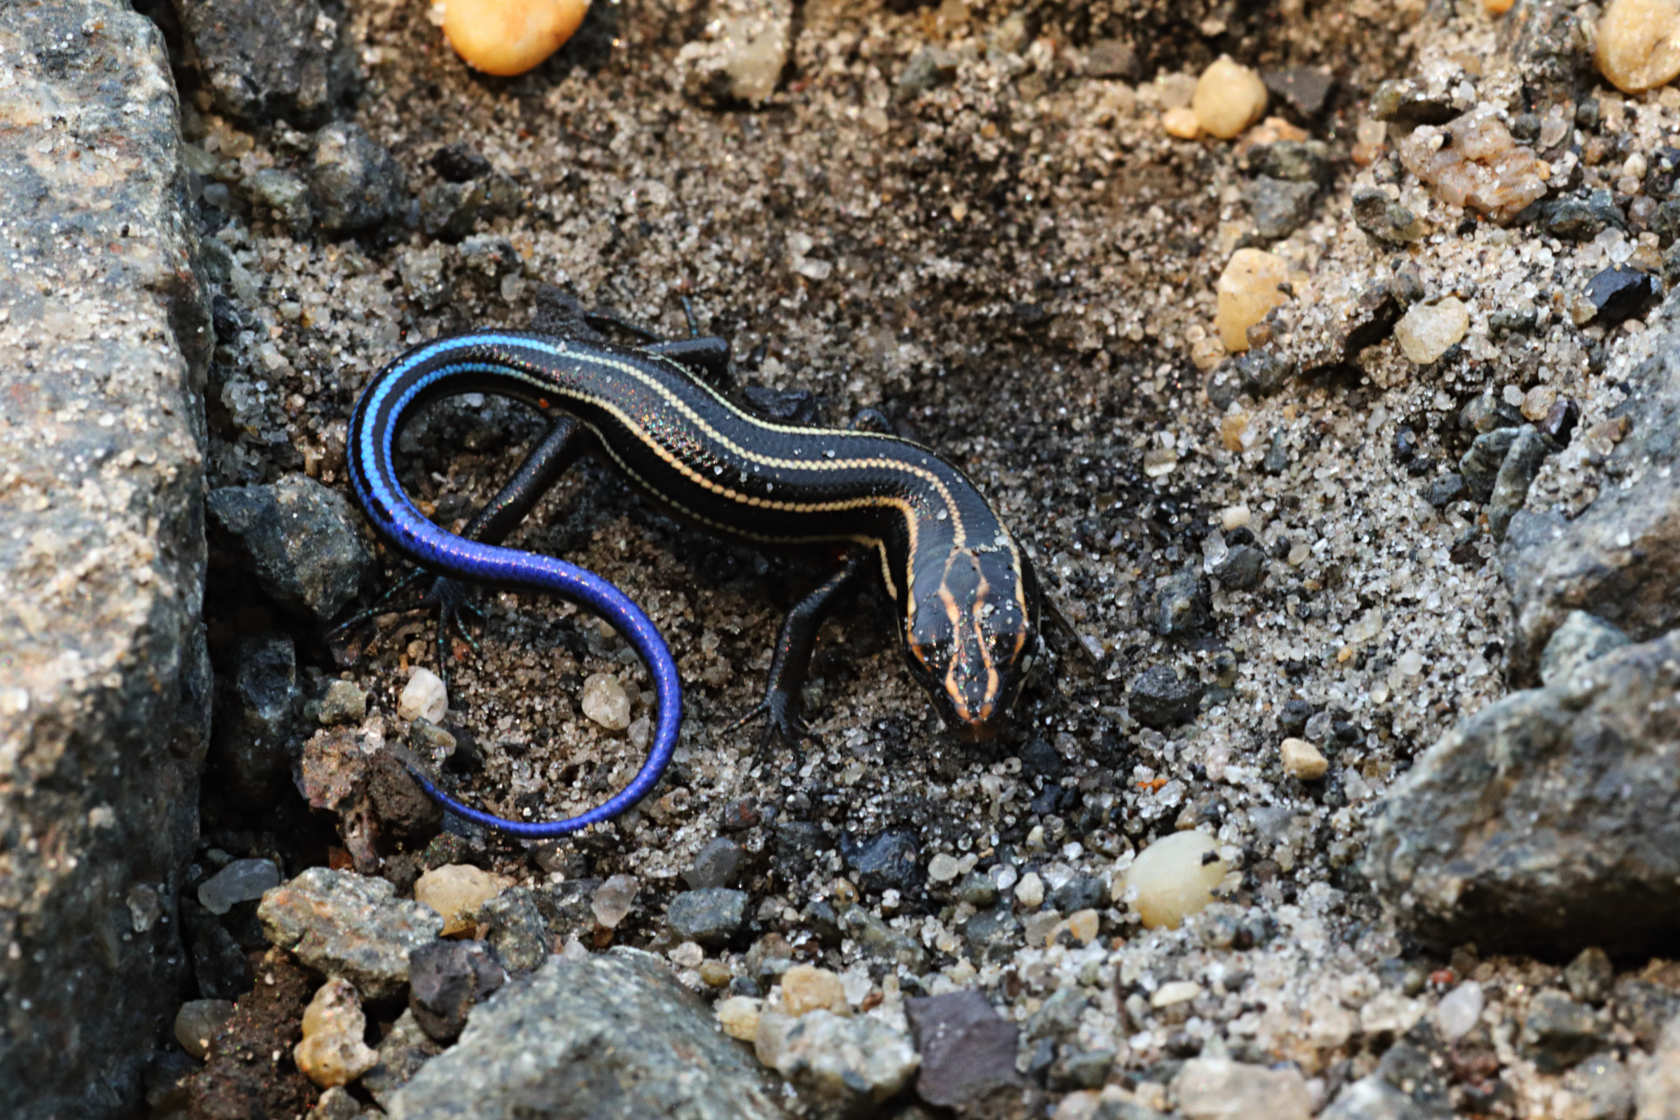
(1181, 606)
(401, 1054)
(105, 338)
(967, 1048)
(300, 540)
(1241, 568)
(261, 61)
(927, 68)
(611, 1035)
(1619, 294)
(1547, 821)
(1296, 161)
(1510, 486)
(1589, 976)
(355, 182)
(1303, 88)
(879, 940)
(282, 194)
(256, 712)
(712, 916)
(342, 924)
(1581, 217)
(445, 979)
(1446, 490)
(1580, 638)
(1279, 206)
(992, 935)
(1620, 558)
(1384, 217)
(1082, 892)
(890, 860)
(718, 864)
(1162, 699)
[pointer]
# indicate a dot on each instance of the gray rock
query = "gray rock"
(1181, 606)
(890, 860)
(1480, 465)
(355, 182)
(401, 1054)
(879, 940)
(1242, 567)
(843, 1066)
(741, 55)
(1620, 559)
(302, 541)
(967, 1049)
(1581, 217)
(717, 865)
(1372, 1098)
(1558, 1031)
(1279, 206)
(105, 339)
(262, 62)
(928, 68)
(710, 916)
(1658, 1093)
(992, 935)
(243, 880)
(197, 1023)
(256, 712)
(282, 194)
(1220, 1089)
(1162, 699)
(1546, 821)
(446, 978)
(1446, 490)
(611, 1035)
(1385, 218)
(1516, 473)
(517, 932)
(1580, 638)
(343, 702)
(343, 924)
(1589, 976)
(336, 1103)
(1602, 1087)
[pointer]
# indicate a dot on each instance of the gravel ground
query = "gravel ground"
(969, 217)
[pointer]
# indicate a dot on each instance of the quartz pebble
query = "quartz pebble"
(942, 868)
(1639, 43)
(423, 697)
(806, 988)
(1180, 123)
(613, 899)
(332, 1051)
(510, 36)
(1302, 760)
(197, 1022)
(1229, 97)
(243, 880)
(1173, 878)
(1175, 991)
(845, 1065)
(1473, 161)
(1458, 1011)
(1428, 330)
(1029, 892)
(1247, 290)
(457, 891)
(605, 701)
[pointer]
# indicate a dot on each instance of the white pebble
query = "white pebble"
(1174, 878)
(605, 701)
(1029, 892)
(1458, 1010)
(423, 697)
(612, 900)
(942, 868)
(1174, 991)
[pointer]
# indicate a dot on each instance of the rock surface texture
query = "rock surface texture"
(104, 339)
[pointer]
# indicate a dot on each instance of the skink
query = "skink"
(967, 603)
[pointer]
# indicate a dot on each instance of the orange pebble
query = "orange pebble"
(509, 37)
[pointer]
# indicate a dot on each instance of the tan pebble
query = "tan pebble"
(509, 36)
(715, 974)
(1174, 878)
(1229, 97)
(738, 1016)
(1231, 429)
(806, 988)
(1181, 123)
(1029, 892)
(1302, 760)
(1232, 518)
(1537, 402)
(1639, 43)
(1174, 991)
(332, 1051)
(1497, 7)
(1428, 330)
(1083, 925)
(457, 891)
(1247, 290)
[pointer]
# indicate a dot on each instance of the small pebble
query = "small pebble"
(510, 36)
(738, 1016)
(243, 880)
(613, 899)
(806, 988)
(344, 702)
(1427, 330)
(605, 701)
(1537, 402)
(1173, 878)
(715, 974)
(942, 868)
(1229, 97)
(332, 1051)
(1459, 1010)
(1083, 925)
(1303, 760)
(1174, 991)
(197, 1022)
(457, 891)
(1180, 123)
(423, 697)
(1029, 892)
(1638, 44)
(1247, 290)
